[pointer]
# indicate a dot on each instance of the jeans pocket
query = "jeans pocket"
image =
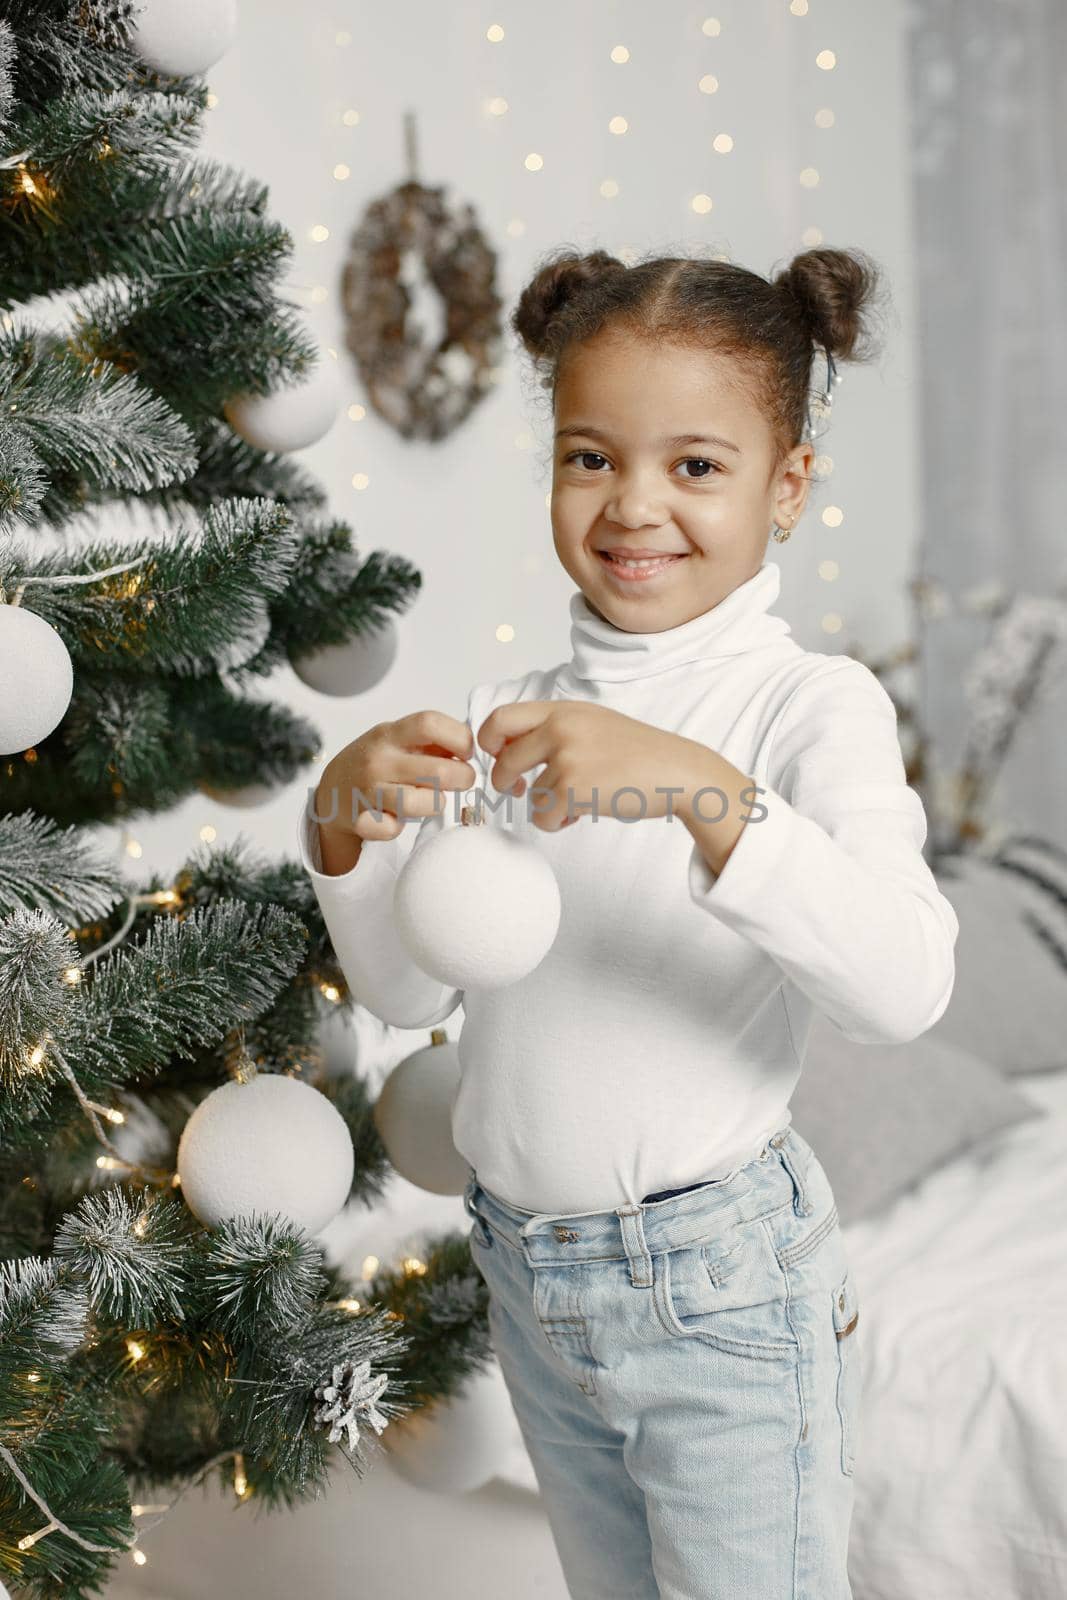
(727, 1294)
(846, 1313)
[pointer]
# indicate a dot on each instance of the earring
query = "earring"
(780, 535)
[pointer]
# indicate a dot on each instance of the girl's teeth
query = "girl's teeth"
(645, 561)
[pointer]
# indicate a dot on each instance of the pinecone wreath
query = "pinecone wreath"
(411, 245)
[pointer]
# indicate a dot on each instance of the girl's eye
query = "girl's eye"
(699, 461)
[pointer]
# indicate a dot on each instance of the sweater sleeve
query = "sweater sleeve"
(831, 882)
(357, 908)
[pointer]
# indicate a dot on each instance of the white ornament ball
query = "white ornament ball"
(476, 907)
(293, 417)
(183, 38)
(37, 678)
(352, 667)
(413, 1116)
(273, 1144)
(457, 1445)
(244, 798)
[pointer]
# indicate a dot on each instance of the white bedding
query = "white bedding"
(961, 1466)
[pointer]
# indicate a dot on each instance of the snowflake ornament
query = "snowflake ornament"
(348, 1397)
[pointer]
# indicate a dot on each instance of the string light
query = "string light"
(330, 992)
(136, 1350)
(138, 1557)
(31, 1538)
(240, 1478)
(107, 1111)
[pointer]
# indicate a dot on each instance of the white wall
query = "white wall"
(470, 511)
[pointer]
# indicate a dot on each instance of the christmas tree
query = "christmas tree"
(149, 1340)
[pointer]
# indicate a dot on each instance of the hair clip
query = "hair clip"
(820, 401)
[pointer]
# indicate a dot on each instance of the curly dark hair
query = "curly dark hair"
(774, 327)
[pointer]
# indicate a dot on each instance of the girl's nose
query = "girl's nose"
(633, 509)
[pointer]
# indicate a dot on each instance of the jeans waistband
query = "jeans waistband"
(634, 1231)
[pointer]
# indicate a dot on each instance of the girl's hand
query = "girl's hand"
(612, 765)
(393, 757)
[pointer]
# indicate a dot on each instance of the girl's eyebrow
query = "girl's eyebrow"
(675, 442)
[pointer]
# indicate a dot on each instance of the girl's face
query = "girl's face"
(660, 450)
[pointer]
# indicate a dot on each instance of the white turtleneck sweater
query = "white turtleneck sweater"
(658, 1042)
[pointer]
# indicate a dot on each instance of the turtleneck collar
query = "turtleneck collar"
(741, 621)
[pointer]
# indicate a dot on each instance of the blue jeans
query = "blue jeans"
(686, 1377)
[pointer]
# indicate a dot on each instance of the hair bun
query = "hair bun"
(557, 282)
(831, 289)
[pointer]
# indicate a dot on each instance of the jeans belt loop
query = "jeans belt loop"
(485, 1232)
(802, 1206)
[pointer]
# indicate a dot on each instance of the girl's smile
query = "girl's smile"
(634, 570)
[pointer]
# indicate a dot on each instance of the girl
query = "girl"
(669, 1297)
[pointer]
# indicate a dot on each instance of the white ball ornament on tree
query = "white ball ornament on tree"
(245, 798)
(352, 667)
(271, 1144)
(183, 38)
(37, 679)
(475, 906)
(456, 1446)
(292, 417)
(413, 1116)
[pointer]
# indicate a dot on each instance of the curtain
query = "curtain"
(989, 162)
